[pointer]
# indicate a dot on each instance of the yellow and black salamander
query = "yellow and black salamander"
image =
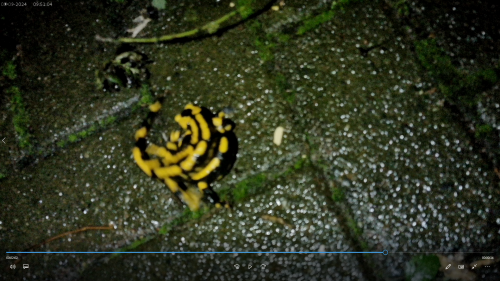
(202, 152)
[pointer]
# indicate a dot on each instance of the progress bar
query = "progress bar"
(442, 252)
(385, 252)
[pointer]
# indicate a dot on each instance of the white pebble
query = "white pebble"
(278, 135)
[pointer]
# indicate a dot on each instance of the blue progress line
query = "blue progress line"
(384, 252)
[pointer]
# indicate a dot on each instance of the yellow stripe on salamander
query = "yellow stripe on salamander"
(205, 130)
(217, 121)
(155, 107)
(147, 166)
(167, 157)
(158, 151)
(214, 163)
(168, 172)
(182, 121)
(188, 164)
(172, 185)
(194, 109)
(201, 148)
(172, 145)
(195, 130)
(202, 185)
(223, 145)
(174, 159)
(175, 135)
(179, 141)
(141, 133)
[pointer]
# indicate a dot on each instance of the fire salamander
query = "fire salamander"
(203, 152)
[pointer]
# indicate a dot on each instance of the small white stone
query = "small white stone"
(278, 135)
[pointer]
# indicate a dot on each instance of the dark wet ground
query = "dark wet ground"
(374, 156)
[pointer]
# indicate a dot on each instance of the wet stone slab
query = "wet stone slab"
(401, 175)
(91, 183)
(309, 228)
(407, 173)
(58, 58)
(95, 182)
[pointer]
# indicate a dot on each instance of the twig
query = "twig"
(110, 227)
(209, 28)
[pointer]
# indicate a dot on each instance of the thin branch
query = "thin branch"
(209, 28)
(109, 227)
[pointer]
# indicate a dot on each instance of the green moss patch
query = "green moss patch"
(483, 131)
(132, 246)
(299, 164)
(455, 85)
(460, 88)
(146, 95)
(284, 89)
(314, 22)
(88, 132)
(245, 8)
(62, 143)
(338, 194)
(9, 70)
(108, 121)
(422, 268)
(354, 226)
(21, 118)
(265, 49)
(248, 187)
(73, 138)
(266, 43)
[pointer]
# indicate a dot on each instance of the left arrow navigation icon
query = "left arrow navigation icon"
(3, 140)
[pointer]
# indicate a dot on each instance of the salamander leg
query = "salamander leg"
(190, 196)
(212, 196)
